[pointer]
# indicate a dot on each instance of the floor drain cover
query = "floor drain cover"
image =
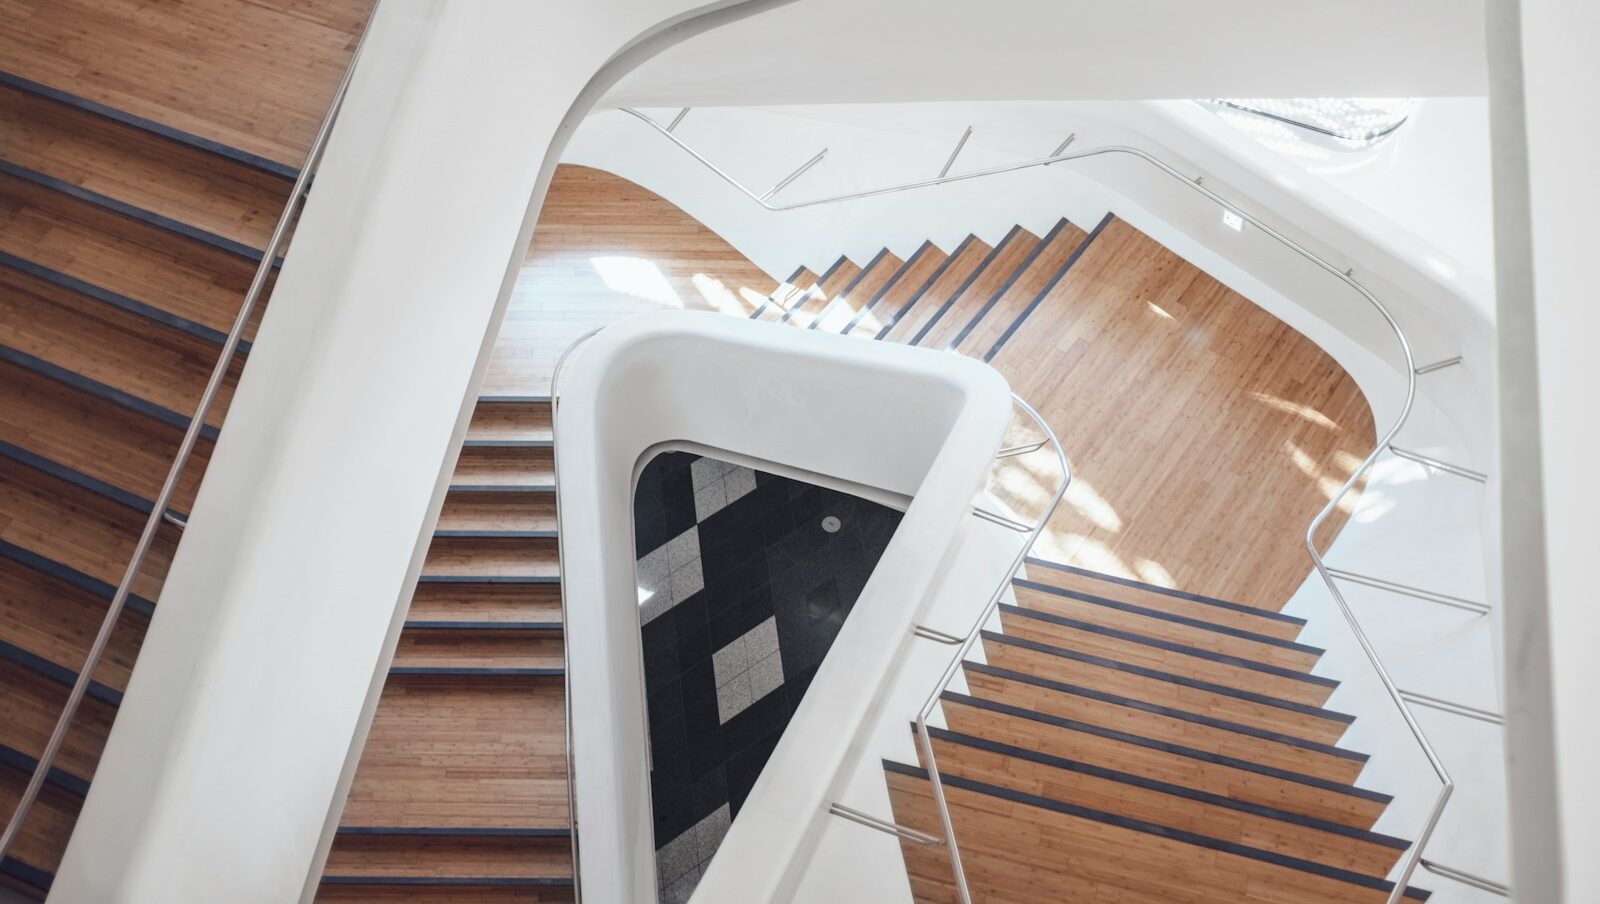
(831, 524)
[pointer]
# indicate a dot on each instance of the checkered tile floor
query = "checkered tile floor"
(742, 589)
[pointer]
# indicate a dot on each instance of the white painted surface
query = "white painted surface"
(809, 401)
(281, 607)
(1562, 75)
(845, 51)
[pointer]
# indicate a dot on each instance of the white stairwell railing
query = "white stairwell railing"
(1401, 700)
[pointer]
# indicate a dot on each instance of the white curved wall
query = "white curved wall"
(908, 421)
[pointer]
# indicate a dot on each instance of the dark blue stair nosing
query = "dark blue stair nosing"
(446, 625)
(1206, 797)
(1184, 715)
(103, 392)
(27, 874)
(502, 488)
(1179, 835)
(927, 284)
(60, 778)
(73, 577)
(1135, 609)
(1168, 591)
(1286, 775)
(893, 281)
(210, 146)
(60, 674)
(132, 212)
(1049, 287)
(507, 444)
(1170, 647)
(514, 399)
(1154, 674)
(77, 478)
(966, 284)
(121, 302)
(994, 298)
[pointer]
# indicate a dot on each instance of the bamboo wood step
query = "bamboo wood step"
(1149, 596)
(804, 308)
(138, 167)
(519, 418)
(928, 300)
(859, 293)
(466, 861)
(787, 293)
(1042, 268)
(57, 621)
(498, 511)
(479, 645)
(486, 602)
(463, 752)
(30, 704)
(479, 557)
(36, 855)
(1160, 625)
(178, 275)
(501, 466)
(1139, 650)
(914, 276)
(1165, 804)
(1162, 688)
(997, 270)
(1099, 856)
(1161, 723)
(1238, 779)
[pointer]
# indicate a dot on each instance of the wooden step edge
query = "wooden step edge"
(73, 784)
(995, 252)
(927, 284)
(103, 392)
(1167, 711)
(926, 248)
(66, 574)
(82, 481)
(1170, 646)
(1022, 267)
(1173, 618)
(494, 535)
(161, 130)
(1168, 591)
(772, 299)
(847, 288)
(1049, 286)
(121, 302)
(57, 673)
(135, 213)
(1194, 794)
(1178, 835)
(459, 831)
(1157, 675)
(1178, 750)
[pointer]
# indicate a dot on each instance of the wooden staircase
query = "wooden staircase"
(134, 210)
(461, 789)
(1117, 741)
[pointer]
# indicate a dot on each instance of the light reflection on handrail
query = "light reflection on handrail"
(1345, 276)
(160, 512)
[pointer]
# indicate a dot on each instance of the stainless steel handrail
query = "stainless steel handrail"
(935, 781)
(158, 512)
(566, 670)
(1346, 276)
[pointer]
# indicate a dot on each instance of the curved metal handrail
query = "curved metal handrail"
(1447, 784)
(566, 671)
(191, 436)
(935, 781)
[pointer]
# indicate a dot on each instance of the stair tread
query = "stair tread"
(1026, 281)
(1175, 594)
(1000, 265)
(858, 293)
(811, 302)
(929, 298)
(774, 305)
